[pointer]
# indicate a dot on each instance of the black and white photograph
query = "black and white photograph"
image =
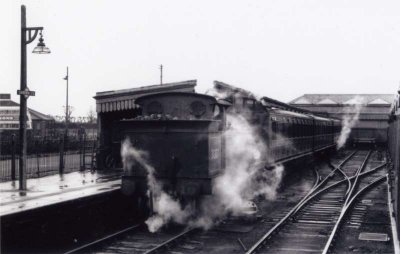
(200, 127)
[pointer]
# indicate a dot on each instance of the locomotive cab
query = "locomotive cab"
(182, 137)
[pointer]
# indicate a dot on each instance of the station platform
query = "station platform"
(55, 189)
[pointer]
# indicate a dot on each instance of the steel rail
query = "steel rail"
(337, 168)
(337, 183)
(294, 209)
(259, 243)
(91, 244)
(346, 208)
(334, 170)
(357, 174)
(345, 176)
(170, 241)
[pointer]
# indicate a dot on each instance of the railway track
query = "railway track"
(314, 223)
(310, 226)
(138, 240)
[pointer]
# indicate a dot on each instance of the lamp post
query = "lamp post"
(28, 35)
(66, 107)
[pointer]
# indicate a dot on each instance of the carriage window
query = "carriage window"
(294, 129)
(289, 129)
(279, 128)
(284, 129)
(274, 129)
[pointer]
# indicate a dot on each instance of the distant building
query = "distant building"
(374, 111)
(37, 123)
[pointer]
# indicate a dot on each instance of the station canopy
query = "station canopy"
(124, 99)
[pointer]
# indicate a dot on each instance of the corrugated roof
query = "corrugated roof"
(343, 98)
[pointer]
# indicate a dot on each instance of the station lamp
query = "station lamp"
(41, 47)
(28, 35)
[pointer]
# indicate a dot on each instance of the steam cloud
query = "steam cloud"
(243, 179)
(350, 119)
(166, 208)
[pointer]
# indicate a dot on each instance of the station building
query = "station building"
(115, 105)
(37, 124)
(373, 110)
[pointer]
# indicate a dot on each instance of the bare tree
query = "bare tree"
(70, 110)
(91, 115)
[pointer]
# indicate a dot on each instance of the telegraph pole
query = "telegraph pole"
(66, 107)
(161, 73)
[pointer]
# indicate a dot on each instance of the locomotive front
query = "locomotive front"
(181, 133)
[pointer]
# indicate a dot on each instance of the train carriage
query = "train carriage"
(322, 132)
(290, 134)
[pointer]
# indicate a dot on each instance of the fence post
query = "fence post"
(13, 177)
(84, 152)
(81, 155)
(37, 157)
(61, 168)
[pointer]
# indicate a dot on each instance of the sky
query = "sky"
(276, 48)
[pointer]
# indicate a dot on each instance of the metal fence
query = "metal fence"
(47, 156)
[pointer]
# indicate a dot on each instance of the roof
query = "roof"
(124, 99)
(5, 101)
(332, 99)
(325, 101)
(291, 113)
(147, 89)
(5, 96)
(8, 103)
(39, 116)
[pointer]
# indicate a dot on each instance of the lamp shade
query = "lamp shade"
(41, 47)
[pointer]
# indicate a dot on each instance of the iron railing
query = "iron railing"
(47, 156)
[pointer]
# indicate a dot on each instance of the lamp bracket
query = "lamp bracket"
(35, 31)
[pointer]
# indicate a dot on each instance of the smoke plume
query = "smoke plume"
(166, 208)
(243, 179)
(349, 120)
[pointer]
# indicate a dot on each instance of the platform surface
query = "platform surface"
(50, 190)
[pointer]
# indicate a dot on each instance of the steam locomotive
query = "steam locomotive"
(185, 137)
